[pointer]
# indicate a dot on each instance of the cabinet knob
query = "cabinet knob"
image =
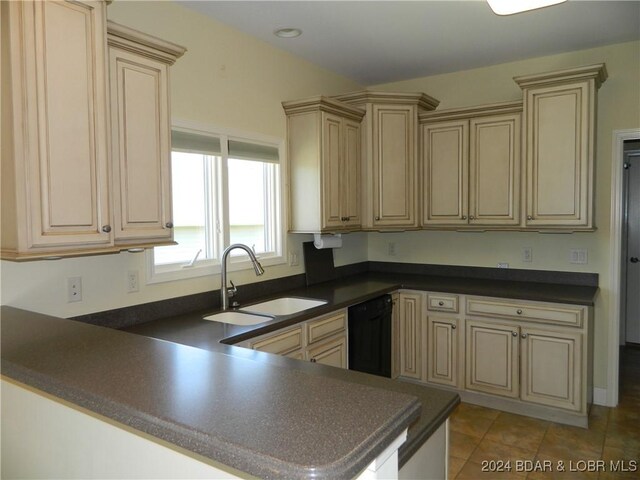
(634, 260)
(472, 217)
(453, 327)
(169, 224)
(106, 228)
(377, 218)
(441, 303)
(514, 334)
(313, 360)
(524, 335)
(464, 217)
(519, 312)
(529, 217)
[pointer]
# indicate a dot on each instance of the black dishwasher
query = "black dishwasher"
(370, 336)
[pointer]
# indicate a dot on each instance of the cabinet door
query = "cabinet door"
(332, 353)
(410, 334)
(394, 166)
(492, 358)
(331, 171)
(442, 351)
(494, 170)
(559, 155)
(445, 152)
(551, 368)
(395, 336)
(351, 198)
(140, 147)
(58, 52)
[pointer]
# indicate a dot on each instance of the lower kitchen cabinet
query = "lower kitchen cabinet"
(442, 351)
(492, 358)
(320, 340)
(533, 358)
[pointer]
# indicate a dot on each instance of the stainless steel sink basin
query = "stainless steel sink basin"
(284, 306)
(238, 318)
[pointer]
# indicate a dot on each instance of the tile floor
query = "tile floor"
(481, 434)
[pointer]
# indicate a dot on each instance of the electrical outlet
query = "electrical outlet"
(74, 289)
(527, 254)
(293, 259)
(391, 249)
(503, 265)
(132, 281)
(579, 256)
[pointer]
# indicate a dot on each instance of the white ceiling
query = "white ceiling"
(375, 42)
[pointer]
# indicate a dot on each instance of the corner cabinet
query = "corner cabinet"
(55, 185)
(559, 120)
(57, 192)
(140, 135)
(471, 166)
(389, 157)
(323, 150)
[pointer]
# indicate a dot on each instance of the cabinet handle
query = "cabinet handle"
(106, 228)
(524, 335)
(472, 217)
(453, 327)
(634, 260)
(377, 218)
(441, 303)
(529, 217)
(313, 360)
(169, 225)
(464, 217)
(519, 312)
(514, 334)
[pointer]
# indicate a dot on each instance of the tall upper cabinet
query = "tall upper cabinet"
(390, 157)
(559, 121)
(323, 151)
(140, 134)
(55, 185)
(85, 128)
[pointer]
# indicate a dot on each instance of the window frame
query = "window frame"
(206, 267)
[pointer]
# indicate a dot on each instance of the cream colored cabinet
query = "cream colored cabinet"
(320, 340)
(389, 152)
(140, 135)
(551, 368)
(471, 166)
(559, 125)
(55, 186)
(323, 145)
(442, 356)
(411, 306)
(492, 358)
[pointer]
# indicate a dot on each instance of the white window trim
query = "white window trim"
(212, 267)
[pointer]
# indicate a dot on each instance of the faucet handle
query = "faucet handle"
(231, 291)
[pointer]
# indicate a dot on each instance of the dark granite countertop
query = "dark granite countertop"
(268, 416)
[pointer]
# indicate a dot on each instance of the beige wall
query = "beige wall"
(226, 79)
(618, 108)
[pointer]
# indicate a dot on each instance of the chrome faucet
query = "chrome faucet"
(226, 293)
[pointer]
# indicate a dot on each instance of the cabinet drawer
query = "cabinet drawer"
(326, 326)
(557, 314)
(439, 302)
(280, 343)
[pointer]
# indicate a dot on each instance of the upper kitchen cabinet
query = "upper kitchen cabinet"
(140, 135)
(559, 125)
(389, 161)
(323, 151)
(55, 195)
(471, 166)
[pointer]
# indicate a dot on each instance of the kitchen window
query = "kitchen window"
(226, 189)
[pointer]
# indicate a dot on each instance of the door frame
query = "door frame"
(615, 257)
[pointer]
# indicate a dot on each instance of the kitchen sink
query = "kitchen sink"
(284, 306)
(238, 318)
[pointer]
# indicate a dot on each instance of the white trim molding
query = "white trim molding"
(615, 242)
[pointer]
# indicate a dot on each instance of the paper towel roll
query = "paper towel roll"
(327, 241)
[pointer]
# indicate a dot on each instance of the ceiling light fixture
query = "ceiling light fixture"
(287, 32)
(509, 7)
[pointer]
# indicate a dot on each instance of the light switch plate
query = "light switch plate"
(578, 256)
